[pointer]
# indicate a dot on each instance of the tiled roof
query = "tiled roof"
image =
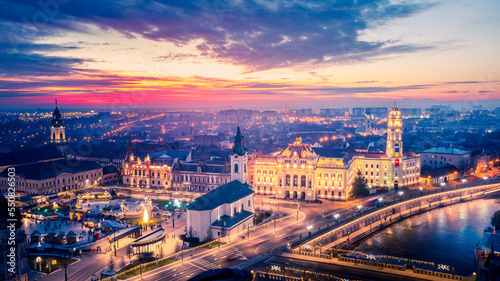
(51, 169)
(230, 221)
(224, 194)
(329, 152)
(30, 155)
(206, 168)
(109, 150)
(168, 154)
(446, 150)
(109, 170)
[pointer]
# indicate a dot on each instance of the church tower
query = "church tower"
(239, 159)
(57, 134)
(394, 134)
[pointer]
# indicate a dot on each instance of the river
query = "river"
(447, 235)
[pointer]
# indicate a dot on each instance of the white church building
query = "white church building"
(228, 210)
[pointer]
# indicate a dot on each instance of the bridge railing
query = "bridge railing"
(367, 218)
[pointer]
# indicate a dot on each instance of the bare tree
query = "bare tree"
(111, 263)
(464, 166)
(129, 251)
(122, 263)
(177, 246)
(209, 235)
(190, 233)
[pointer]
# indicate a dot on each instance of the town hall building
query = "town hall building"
(299, 172)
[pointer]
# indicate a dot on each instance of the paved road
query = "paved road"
(264, 242)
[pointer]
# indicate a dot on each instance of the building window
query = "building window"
(303, 181)
(236, 168)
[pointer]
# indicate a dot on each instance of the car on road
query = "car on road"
(285, 236)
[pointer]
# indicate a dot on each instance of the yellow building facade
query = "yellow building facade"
(299, 172)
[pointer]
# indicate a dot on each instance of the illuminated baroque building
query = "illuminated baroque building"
(299, 172)
(172, 169)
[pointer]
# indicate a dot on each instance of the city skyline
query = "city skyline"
(249, 54)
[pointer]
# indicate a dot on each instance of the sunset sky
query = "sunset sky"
(255, 54)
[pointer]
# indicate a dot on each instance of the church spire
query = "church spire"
(239, 147)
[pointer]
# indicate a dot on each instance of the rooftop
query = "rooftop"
(30, 155)
(224, 194)
(230, 221)
(52, 169)
(446, 150)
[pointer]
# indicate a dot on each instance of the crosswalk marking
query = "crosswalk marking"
(251, 261)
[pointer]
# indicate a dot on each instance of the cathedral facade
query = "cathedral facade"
(299, 172)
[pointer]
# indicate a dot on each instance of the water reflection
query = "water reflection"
(445, 236)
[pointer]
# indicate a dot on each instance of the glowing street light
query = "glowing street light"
(400, 195)
(39, 261)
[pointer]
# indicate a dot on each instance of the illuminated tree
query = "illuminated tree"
(495, 220)
(359, 185)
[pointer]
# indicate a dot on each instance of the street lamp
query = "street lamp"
(309, 227)
(359, 208)
(464, 181)
(337, 218)
(421, 190)
(400, 195)
(39, 261)
(485, 178)
(380, 200)
(442, 185)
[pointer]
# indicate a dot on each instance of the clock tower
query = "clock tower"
(239, 159)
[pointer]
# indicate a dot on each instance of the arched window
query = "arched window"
(303, 181)
(396, 147)
(295, 180)
(60, 136)
(287, 180)
(242, 207)
(236, 168)
(234, 210)
(245, 167)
